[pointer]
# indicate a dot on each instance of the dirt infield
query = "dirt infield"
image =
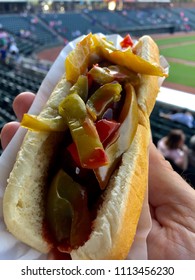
(179, 87)
(167, 35)
(181, 61)
(50, 54)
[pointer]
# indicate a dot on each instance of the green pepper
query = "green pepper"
(37, 123)
(81, 87)
(102, 98)
(103, 75)
(67, 212)
(83, 131)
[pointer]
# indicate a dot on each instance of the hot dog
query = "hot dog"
(80, 177)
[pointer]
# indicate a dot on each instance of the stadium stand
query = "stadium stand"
(46, 29)
(28, 27)
(186, 17)
(12, 84)
(162, 127)
(72, 24)
(112, 20)
(148, 21)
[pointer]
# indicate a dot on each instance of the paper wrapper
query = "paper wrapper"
(11, 248)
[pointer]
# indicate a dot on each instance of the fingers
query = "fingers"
(22, 104)
(165, 185)
(8, 132)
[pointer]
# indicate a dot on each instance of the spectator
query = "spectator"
(192, 152)
(173, 148)
(185, 117)
(14, 51)
(3, 54)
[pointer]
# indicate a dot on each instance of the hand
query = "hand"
(171, 199)
(172, 203)
(21, 105)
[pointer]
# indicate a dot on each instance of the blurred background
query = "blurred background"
(33, 32)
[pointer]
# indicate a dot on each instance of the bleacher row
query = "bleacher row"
(47, 29)
(161, 127)
(11, 84)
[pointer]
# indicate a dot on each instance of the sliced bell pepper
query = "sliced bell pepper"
(81, 87)
(102, 98)
(103, 75)
(67, 212)
(77, 60)
(126, 42)
(106, 130)
(126, 58)
(36, 123)
(127, 130)
(123, 74)
(83, 131)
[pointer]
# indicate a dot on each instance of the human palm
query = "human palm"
(172, 203)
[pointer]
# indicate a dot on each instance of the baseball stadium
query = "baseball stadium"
(36, 37)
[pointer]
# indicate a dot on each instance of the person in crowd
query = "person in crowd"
(191, 154)
(3, 54)
(173, 148)
(14, 51)
(185, 117)
(171, 199)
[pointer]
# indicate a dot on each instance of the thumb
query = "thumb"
(165, 185)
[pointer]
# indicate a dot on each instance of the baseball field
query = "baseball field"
(179, 50)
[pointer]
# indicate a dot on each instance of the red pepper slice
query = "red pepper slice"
(96, 157)
(126, 42)
(106, 130)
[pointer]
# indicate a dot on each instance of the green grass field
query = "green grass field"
(182, 74)
(175, 40)
(186, 52)
(178, 48)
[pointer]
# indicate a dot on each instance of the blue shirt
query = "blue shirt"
(183, 118)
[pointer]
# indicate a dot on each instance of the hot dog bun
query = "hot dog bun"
(114, 228)
(24, 195)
